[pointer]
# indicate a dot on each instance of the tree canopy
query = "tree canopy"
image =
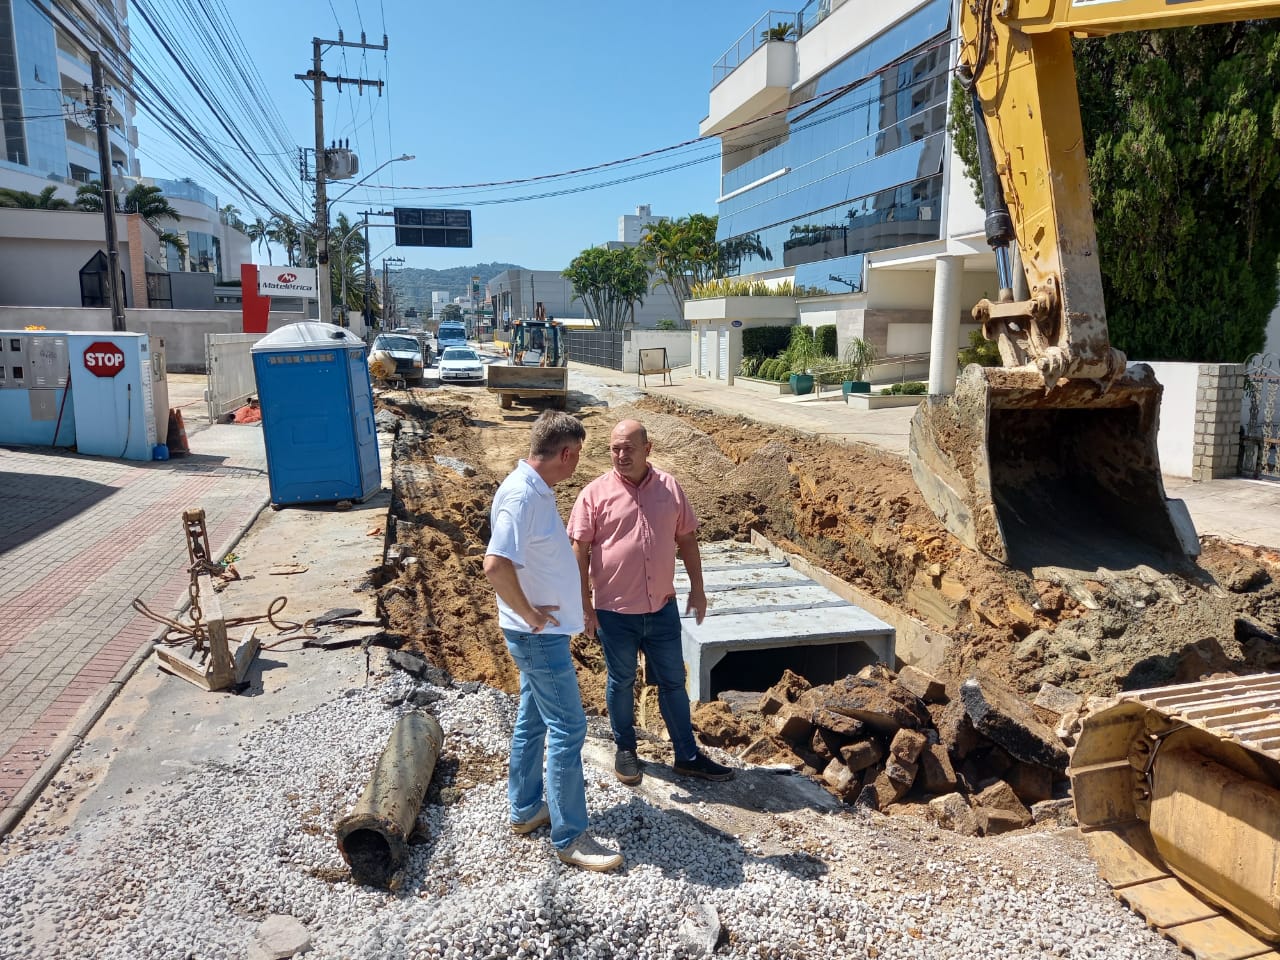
(610, 282)
(1181, 129)
(682, 253)
(46, 199)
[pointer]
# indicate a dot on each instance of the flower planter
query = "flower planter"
(801, 383)
(854, 386)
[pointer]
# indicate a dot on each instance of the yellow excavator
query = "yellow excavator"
(1052, 456)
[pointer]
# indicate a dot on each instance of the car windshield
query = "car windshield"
(396, 343)
(460, 353)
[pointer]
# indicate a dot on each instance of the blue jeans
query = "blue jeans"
(550, 713)
(622, 636)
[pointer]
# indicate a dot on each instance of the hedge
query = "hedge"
(765, 341)
(827, 341)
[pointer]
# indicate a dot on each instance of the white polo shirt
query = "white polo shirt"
(527, 530)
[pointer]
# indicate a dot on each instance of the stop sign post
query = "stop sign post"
(103, 359)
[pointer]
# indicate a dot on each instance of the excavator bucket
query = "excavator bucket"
(1066, 477)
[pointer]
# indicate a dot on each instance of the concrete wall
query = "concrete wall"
(1200, 418)
(42, 252)
(182, 330)
(678, 345)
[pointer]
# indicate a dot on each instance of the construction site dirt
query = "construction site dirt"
(850, 510)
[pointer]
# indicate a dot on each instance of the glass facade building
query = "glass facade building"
(858, 168)
(44, 67)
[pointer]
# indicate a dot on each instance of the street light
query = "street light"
(322, 242)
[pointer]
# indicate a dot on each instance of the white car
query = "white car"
(460, 364)
(405, 354)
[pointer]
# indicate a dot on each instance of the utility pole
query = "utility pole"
(318, 79)
(100, 103)
(387, 306)
(368, 272)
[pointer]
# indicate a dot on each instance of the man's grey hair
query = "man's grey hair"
(553, 431)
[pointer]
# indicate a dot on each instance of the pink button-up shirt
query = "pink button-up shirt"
(632, 529)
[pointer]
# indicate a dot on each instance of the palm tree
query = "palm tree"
(782, 30)
(89, 196)
(259, 232)
(150, 203)
(45, 200)
(681, 253)
(231, 216)
(284, 231)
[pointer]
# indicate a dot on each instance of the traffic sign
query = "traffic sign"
(103, 359)
(421, 227)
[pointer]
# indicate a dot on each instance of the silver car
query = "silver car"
(460, 364)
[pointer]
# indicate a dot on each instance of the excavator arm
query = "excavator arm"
(1177, 789)
(1016, 57)
(1051, 459)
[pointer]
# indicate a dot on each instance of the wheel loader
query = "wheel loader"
(538, 367)
(1051, 459)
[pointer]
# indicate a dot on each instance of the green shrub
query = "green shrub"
(827, 340)
(911, 388)
(981, 351)
(748, 366)
(765, 341)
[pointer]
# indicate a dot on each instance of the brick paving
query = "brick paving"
(80, 538)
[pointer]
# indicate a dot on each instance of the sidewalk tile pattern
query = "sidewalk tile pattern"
(80, 538)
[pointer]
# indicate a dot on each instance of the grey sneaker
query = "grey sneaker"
(539, 819)
(704, 767)
(586, 853)
(627, 767)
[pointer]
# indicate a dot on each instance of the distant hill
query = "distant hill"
(413, 285)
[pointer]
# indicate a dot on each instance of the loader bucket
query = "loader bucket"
(1069, 477)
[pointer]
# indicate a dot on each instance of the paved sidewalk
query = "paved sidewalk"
(80, 538)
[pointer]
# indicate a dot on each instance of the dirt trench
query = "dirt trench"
(854, 511)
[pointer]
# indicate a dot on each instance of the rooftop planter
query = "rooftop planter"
(742, 300)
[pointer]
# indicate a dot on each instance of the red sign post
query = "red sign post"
(103, 359)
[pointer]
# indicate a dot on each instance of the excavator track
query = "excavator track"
(1177, 791)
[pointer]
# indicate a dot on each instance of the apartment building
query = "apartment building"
(837, 173)
(44, 68)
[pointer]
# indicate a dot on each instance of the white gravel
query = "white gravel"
(191, 869)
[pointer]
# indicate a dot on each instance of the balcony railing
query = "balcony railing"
(752, 40)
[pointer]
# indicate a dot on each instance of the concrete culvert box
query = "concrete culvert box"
(317, 414)
(764, 617)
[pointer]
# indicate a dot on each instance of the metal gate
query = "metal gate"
(1260, 436)
(230, 367)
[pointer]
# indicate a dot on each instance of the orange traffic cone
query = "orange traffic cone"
(177, 439)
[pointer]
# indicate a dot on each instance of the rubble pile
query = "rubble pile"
(980, 763)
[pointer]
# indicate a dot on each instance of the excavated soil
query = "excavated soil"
(852, 510)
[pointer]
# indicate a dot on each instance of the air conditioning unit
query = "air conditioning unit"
(926, 213)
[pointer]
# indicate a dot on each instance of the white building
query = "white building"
(631, 225)
(838, 174)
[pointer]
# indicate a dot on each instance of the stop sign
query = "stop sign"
(103, 359)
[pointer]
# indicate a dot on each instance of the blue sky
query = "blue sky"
(482, 92)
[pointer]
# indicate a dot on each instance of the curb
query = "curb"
(74, 738)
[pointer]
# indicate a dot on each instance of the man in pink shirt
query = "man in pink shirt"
(627, 527)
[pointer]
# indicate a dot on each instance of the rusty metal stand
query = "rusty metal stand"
(222, 662)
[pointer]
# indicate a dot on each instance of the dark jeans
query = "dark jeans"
(623, 635)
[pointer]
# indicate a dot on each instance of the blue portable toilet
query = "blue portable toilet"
(317, 414)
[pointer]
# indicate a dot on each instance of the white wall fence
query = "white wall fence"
(183, 331)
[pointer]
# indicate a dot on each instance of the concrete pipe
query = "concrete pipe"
(373, 838)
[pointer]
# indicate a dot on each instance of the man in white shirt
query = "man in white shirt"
(533, 570)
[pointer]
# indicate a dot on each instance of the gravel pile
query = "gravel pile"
(192, 869)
